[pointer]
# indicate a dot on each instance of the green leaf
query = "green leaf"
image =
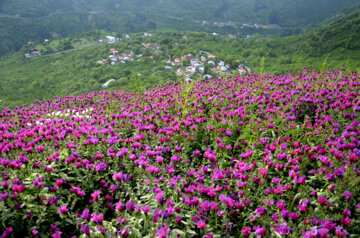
(176, 232)
(136, 232)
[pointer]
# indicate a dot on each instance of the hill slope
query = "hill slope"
(334, 45)
(257, 156)
(25, 20)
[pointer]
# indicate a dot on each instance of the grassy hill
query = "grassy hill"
(25, 20)
(257, 156)
(334, 45)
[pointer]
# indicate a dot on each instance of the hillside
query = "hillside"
(333, 45)
(26, 20)
(256, 156)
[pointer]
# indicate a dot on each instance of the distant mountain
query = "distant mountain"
(29, 20)
(338, 34)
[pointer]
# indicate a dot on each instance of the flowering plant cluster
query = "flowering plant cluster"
(257, 156)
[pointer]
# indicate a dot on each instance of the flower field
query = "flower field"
(257, 156)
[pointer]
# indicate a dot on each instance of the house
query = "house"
(211, 63)
(27, 56)
(190, 69)
(115, 52)
(113, 61)
(203, 59)
(201, 69)
(177, 60)
(104, 61)
(112, 50)
(185, 37)
(151, 57)
(210, 56)
(224, 68)
(127, 36)
(35, 53)
(179, 72)
(215, 69)
(168, 68)
(188, 56)
(46, 40)
(222, 63)
(110, 39)
(214, 34)
(30, 43)
(242, 71)
(196, 65)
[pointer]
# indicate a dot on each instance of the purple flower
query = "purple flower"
(322, 200)
(57, 234)
(7, 232)
(130, 205)
(246, 231)
(145, 209)
(323, 232)
(63, 209)
(283, 229)
(201, 224)
(95, 195)
(163, 232)
(34, 232)
(347, 195)
(86, 214)
(280, 205)
(97, 218)
(85, 229)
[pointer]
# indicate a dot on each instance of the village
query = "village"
(201, 65)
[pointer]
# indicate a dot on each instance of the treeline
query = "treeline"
(26, 20)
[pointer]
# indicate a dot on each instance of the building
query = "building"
(168, 68)
(35, 53)
(242, 71)
(111, 39)
(211, 63)
(113, 61)
(179, 72)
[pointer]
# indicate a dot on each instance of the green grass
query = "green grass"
(49, 76)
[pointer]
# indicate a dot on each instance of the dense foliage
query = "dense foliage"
(25, 20)
(256, 156)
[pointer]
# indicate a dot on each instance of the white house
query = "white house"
(212, 63)
(111, 39)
